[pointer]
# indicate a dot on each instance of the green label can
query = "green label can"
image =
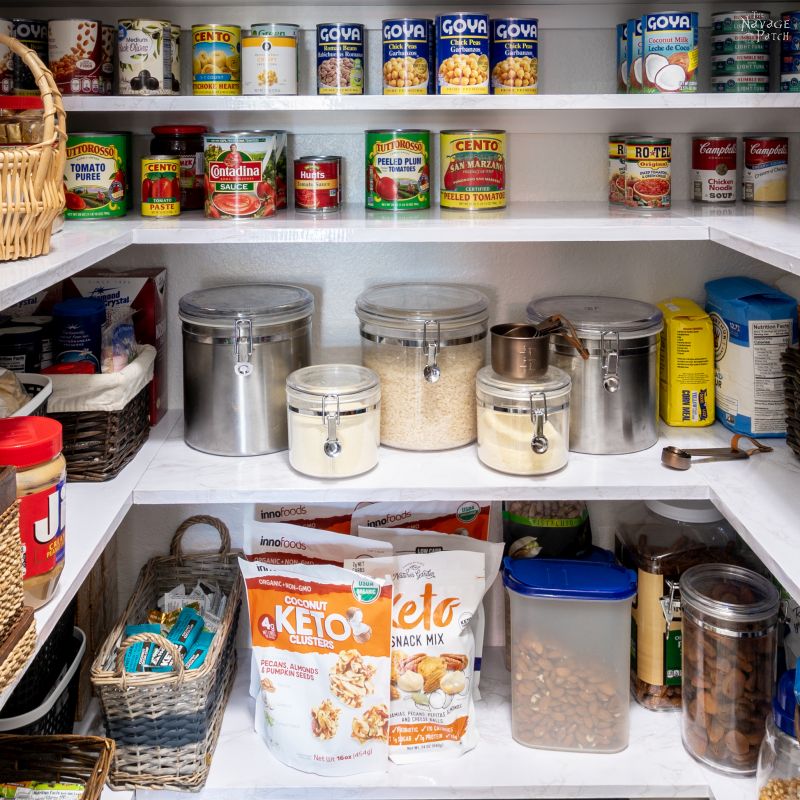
(95, 182)
(398, 174)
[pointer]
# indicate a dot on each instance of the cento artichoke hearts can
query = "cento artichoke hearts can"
(407, 61)
(648, 172)
(95, 182)
(462, 53)
(397, 170)
(216, 59)
(317, 186)
(473, 169)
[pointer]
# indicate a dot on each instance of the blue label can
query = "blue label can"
(407, 64)
(515, 56)
(670, 53)
(622, 57)
(78, 327)
(635, 83)
(340, 58)
(462, 53)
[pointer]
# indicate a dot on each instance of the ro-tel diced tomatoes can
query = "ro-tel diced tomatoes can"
(765, 178)
(340, 58)
(161, 190)
(407, 55)
(216, 59)
(75, 51)
(397, 170)
(473, 169)
(32, 33)
(462, 53)
(317, 183)
(95, 175)
(714, 169)
(239, 174)
(515, 56)
(648, 172)
(616, 169)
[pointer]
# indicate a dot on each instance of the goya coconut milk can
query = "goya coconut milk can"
(670, 51)
(635, 81)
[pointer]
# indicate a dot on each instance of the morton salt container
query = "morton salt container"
(615, 391)
(239, 345)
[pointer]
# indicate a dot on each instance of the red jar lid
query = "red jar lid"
(21, 103)
(26, 441)
(179, 130)
(70, 368)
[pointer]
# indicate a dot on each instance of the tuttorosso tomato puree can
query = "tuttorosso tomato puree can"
(765, 177)
(714, 169)
(239, 174)
(473, 169)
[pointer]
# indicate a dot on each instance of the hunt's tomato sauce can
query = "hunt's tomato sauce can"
(473, 169)
(317, 186)
(714, 169)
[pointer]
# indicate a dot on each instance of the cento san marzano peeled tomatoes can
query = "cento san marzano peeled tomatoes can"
(397, 170)
(473, 169)
(462, 53)
(515, 56)
(407, 56)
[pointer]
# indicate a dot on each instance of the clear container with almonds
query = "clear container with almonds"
(730, 617)
(570, 632)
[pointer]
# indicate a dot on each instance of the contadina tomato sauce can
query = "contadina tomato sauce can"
(216, 59)
(473, 169)
(317, 183)
(397, 170)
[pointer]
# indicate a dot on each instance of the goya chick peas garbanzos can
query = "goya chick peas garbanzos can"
(648, 172)
(462, 53)
(515, 56)
(216, 59)
(397, 170)
(161, 190)
(317, 184)
(714, 169)
(406, 56)
(473, 169)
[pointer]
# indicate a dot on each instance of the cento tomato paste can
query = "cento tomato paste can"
(398, 170)
(616, 169)
(714, 169)
(765, 177)
(473, 169)
(216, 59)
(648, 172)
(239, 175)
(95, 182)
(317, 183)
(462, 53)
(161, 190)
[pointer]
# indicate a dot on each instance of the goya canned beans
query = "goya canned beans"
(75, 51)
(648, 172)
(6, 69)
(161, 191)
(216, 59)
(714, 169)
(95, 181)
(670, 51)
(462, 53)
(515, 56)
(269, 65)
(340, 58)
(397, 168)
(317, 184)
(473, 169)
(32, 33)
(144, 56)
(406, 56)
(616, 169)
(239, 175)
(765, 177)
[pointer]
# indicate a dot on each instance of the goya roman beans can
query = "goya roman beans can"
(340, 58)
(765, 177)
(462, 53)
(407, 61)
(216, 59)
(473, 169)
(714, 169)
(515, 56)
(161, 190)
(397, 170)
(616, 170)
(95, 180)
(317, 184)
(648, 172)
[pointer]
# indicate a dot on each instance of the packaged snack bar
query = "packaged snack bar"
(465, 517)
(323, 516)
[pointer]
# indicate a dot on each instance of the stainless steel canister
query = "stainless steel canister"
(615, 390)
(239, 345)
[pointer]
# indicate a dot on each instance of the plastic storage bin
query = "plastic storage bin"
(779, 757)
(570, 634)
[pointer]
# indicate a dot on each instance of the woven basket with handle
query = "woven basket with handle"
(32, 175)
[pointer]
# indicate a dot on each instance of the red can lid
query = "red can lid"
(70, 368)
(179, 130)
(21, 103)
(26, 441)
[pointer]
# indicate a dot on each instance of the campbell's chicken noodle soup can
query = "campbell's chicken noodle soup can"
(317, 184)
(161, 189)
(473, 169)
(397, 170)
(648, 172)
(6, 60)
(216, 59)
(515, 56)
(765, 176)
(32, 33)
(462, 53)
(75, 53)
(341, 65)
(714, 169)
(407, 56)
(616, 170)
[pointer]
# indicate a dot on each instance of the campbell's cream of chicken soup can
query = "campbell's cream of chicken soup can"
(765, 177)
(269, 65)
(473, 169)
(714, 169)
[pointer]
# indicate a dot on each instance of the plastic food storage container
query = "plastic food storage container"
(523, 426)
(570, 634)
(778, 773)
(426, 342)
(661, 540)
(334, 415)
(730, 619)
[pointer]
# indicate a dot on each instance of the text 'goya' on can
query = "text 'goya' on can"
(144, 56)
(714, 169)
(95, 180)
(317, 183)
(161, 191)
(648, 172)
(239, 174)
(341, 65)
(269, 65)
(670, 51)
(6, 60)
(216, 59)
(616, 169)
(407, 57)
(32, 33)
(462, 53)
(765, 176)
(473, 169)
(75, 52)
(515, 56)
(398, 170)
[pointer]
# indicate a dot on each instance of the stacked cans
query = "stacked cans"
(790, 51)
(740, 58)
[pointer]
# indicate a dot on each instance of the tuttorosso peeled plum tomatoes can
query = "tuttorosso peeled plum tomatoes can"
(473, 169)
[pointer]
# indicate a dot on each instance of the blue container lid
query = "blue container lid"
(568, 580)
(784, 703)
(80, 307)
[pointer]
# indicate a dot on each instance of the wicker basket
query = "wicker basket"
(166, 724)
(32, 175)
(11, 595)
(17, 646)
(82, 759)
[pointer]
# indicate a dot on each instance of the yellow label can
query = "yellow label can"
(161, 189)
(473, 169)
(216, 59)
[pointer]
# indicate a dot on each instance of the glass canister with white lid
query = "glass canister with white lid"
(523, 426)
(334, 417)
(426, 342)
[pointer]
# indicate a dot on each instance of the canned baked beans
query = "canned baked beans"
(75, 51)
(616, 170)
(714, 169)
(317, 183)
(216, 59)
(765, 177)
(161, 192)
(648, 172)
(473, 169)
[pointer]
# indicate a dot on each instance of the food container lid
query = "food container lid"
(80, 307)
(784, 703)
(179, 130)
(592, 316)
(717, 590)
(26, 441)
(554, 383)
(21, 103)
(350, 382)
(568, 580)
(70, 368)
(262, 303)
(693, 511)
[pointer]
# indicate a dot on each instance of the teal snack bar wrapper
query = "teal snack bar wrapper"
(199, 650)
